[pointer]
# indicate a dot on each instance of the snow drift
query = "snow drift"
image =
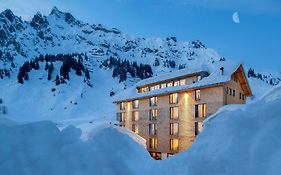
(41, 148)
(243, 140)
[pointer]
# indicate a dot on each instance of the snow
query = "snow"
(238, 139)
(41, 148)
(242, 140)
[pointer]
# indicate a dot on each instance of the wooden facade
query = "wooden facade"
(171, 124)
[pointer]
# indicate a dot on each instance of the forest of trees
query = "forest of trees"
(271, 81)
(122, 67)
(69, 61)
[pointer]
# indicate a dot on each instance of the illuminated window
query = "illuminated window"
(199, 78)
(152, 129)
(182, 82)
(135, 104)
(122, 106)
(120, 117)
(174, 112)
(135, 128)
(153, 101)
(153, 113)
(200, 110)
(170, 84)
(174, 144)
(173, 98)
(174, 128)
(144, 89)
(176, 83)
(198, 127)
(157, 87)
(135, 116)
(163, 85)
(153, 143)
(197, 94)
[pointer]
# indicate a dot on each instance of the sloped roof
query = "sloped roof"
(170, 76)
(215, 78)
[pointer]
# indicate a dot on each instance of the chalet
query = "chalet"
(168, 110)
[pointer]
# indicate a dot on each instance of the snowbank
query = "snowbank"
(41, 148)
(240, 141)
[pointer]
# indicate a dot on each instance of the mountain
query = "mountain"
(111, 59)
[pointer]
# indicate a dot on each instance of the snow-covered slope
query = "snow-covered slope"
(60, 32)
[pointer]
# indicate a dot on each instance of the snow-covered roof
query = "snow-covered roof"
(215, 78)
(170, 75)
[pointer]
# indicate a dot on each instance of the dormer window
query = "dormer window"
(169, 84)
(163, 85)
(182, 82)
(176, 83)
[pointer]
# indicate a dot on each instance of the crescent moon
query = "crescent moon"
(236, 18)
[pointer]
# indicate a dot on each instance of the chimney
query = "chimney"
(222, 70)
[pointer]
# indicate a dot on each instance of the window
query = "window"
(197, 94)
(153, 143)
(182, 82)
(155, 87)
(243, 96)
(135, 116)
(152, 129)
(153, 114)
(174, 112)
(163, 85)
(122, 106)
(200, 110)
(153, 101)
(135, 128)
(227, 90)
(170, 84)
(230, 91)
(233, 93)
(173, 98)
(174, 144)
(135, 104)
(176, 83)
(174, 128)
(120, 117)
(198, 127)
(240, 95)
(144, 89)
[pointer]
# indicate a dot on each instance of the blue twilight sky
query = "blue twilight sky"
(256, 39)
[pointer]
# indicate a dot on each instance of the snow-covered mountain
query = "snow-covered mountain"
(60, 33)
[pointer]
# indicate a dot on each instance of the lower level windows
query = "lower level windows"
(135, 128)
(200, 110)
(174, 128)
(152, 129)
(121, 117)
(152, 143)
(198, 127)
(174, 144)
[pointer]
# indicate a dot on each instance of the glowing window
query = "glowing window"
(174, 112)
(173, 98)
(174, 144)
(174, 128)
(153, 114)
(135, 116)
